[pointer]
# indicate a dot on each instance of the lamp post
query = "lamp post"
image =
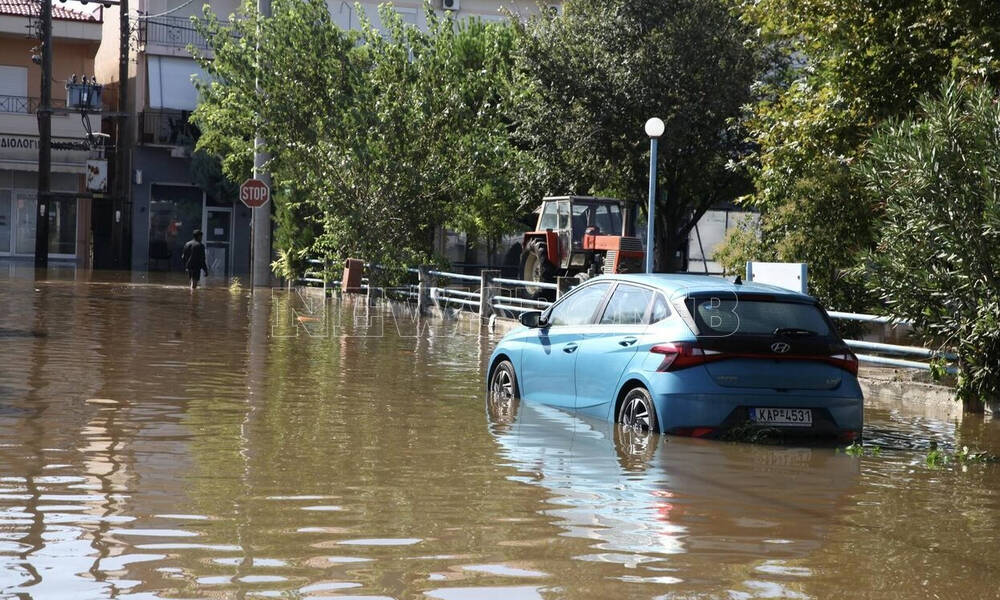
(654, 129)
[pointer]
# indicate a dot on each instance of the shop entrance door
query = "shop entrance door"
(218, 229)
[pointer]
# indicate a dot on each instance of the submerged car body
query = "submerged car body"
(704, 355)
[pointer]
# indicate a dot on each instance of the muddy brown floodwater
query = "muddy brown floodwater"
(159, 444)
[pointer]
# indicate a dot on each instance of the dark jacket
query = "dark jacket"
(193, 256)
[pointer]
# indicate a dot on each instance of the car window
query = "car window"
(549, 219)
(627, 305)
(660, 310)
(609, 219)
(563, 215)
(728, 316)
(578, 307)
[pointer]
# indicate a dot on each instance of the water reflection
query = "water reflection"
(701, 511)
(160, 444)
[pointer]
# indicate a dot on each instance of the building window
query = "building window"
(14, 89)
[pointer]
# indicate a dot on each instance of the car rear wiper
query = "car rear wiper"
(794, 332)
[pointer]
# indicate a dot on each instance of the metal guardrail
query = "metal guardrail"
(519, 305)
(527, 301)
(513, 308)
(900, 350)
(521, 282)
(866, 318)
(891, 349)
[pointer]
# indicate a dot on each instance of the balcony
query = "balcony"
(25, 105)
(172, 32)
(167, 127)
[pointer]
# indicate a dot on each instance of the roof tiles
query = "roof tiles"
(60, 10)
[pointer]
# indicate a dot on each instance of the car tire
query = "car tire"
(535, 266)
(637, 411)
(503, 394)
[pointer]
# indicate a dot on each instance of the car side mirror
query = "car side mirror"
(532, 319)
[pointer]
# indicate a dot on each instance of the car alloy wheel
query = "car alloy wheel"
(637, 412)
(501, 402)
(503, 383)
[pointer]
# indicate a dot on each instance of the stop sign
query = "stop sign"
(254, 193)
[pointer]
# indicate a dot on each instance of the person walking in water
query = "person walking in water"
(193, 257)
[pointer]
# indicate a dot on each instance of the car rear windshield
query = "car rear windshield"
(721, 315)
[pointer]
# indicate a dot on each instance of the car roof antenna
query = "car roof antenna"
(738, 280)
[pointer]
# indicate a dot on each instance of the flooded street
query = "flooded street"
(159, 444)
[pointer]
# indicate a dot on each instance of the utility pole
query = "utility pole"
(44, 142)
(120, 196)
(260, 256)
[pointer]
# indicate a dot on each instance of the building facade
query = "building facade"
(76, 35)
(167, 201)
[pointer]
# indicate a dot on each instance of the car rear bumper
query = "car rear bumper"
(716, 415)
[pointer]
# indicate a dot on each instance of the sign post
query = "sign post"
(254, 193)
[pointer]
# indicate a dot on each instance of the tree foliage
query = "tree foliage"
(590, 77)
(376, 137)
(845, 66)
(937, 261)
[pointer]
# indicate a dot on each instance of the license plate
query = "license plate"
(785, 417)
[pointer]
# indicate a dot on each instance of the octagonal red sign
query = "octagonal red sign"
(254, 193)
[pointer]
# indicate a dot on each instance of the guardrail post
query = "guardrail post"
(350, 281)
(424, 285)
(487, 290)
(565, 284)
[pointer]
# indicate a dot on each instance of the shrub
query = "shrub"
(937, 261)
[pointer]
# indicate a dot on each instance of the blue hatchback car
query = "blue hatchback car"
(687, 355)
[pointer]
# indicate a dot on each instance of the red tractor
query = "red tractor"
(579, 236)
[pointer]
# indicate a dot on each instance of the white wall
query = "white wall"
(712, 227)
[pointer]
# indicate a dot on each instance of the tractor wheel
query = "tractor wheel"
(535, 266)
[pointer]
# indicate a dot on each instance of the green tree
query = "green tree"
(377, 138)
(938, 253)
(589, 78)
(843, 67)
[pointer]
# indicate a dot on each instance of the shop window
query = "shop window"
(62, 227)
(174, 213)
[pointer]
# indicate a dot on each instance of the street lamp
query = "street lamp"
(654, 129)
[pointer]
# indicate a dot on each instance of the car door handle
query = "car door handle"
(628, 341)
(569, 348)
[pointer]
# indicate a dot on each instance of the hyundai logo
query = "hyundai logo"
(780, 347)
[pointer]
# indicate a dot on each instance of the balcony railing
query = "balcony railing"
(25, 104)
(167, 127)
(175, 32)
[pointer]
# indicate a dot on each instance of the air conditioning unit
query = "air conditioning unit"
(450, 5)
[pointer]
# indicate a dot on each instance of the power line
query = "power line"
(164, 13)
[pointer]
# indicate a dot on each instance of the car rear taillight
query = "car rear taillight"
(846, 361)
(681, 355)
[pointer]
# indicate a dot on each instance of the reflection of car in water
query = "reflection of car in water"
(687, 355)
(641, 501)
